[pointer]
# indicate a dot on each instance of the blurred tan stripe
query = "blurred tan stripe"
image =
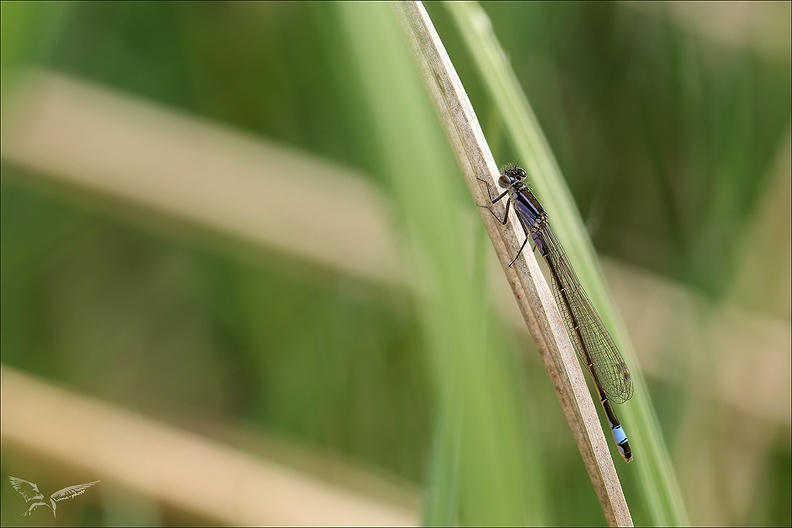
(279, 198)
(217, 177)
(682, 338)
(185, 470)
(762, 27)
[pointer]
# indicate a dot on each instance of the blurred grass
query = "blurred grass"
(666, 139)
(477, 415)
(659, 488)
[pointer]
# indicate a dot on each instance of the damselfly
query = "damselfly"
(588, 334)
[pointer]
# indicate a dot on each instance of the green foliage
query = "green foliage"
(666, 140)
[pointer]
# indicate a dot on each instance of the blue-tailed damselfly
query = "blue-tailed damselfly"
(590, 338)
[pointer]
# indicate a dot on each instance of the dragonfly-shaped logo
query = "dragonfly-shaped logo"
(31, 493)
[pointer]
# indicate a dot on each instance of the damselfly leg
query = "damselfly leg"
(506, 217)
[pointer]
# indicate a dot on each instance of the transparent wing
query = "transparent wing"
(71, 491)
(608, 365)
(26, 488)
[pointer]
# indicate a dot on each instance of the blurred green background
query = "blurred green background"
(670, 123)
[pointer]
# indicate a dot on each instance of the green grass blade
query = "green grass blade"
(493, 485)
(659, 485)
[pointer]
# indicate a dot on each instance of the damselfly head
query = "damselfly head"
(511, 175)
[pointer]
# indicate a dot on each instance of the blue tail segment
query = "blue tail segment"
(618, 433)
(621, 441)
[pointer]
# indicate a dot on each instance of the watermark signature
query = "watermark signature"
(31, 493)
